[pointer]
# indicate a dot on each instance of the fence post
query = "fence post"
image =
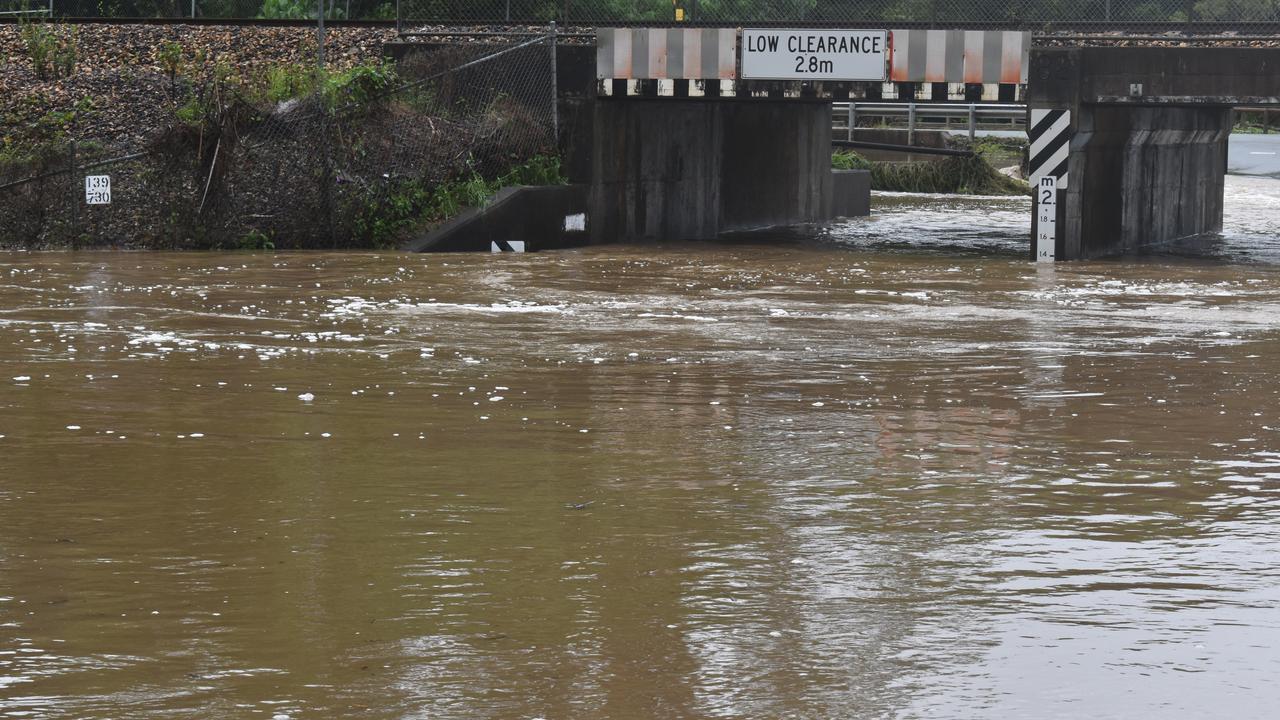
(911, 123)
(972, 122)
(399, 26)
(76, 184)
(193, 9)
(320, 34)
(852, 120)
(555, 91)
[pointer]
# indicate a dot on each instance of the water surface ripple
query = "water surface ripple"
(858, 476)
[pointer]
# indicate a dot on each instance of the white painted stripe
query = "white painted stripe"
(621, 55)
(728, 54)
(901, 51)
(935, 56)
(1054, 161)
(691, 47)
(1038, 114)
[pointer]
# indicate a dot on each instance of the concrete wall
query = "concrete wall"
(777, 164)
(674, 169)
(656, 170)
(532, 215)
(1141, 177)
(1148, 153)
(1150, 75)
(850, 193)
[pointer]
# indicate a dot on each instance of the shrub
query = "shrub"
(849, 160)
(53, 54)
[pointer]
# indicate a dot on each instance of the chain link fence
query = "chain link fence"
(334, 10)
(1202, 16)
(357, 162)
(1033, 15)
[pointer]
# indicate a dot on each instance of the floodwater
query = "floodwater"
(894, 470)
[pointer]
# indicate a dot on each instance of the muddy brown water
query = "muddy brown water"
(891, 471)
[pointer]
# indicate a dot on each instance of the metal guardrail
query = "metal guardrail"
(28, 11)
(844, 116)
(1264, 111)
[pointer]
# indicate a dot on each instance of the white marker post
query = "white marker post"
(1046, 218)
(97, 189)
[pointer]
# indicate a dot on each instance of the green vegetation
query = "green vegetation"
(997, 151)
(968, 175)
(170, 56)
(256, 240)
(356, 87)
(849, 160)
(288, 9)
(384, 218)
(1253, 122)
(35, 140)
(52, 49)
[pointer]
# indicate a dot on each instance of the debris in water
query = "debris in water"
(22, 378)
(306, 397)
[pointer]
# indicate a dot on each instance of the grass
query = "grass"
(849, 160)
(972, 175)
(358, 86)
(52, 49)
(966, 175)
(387, 217)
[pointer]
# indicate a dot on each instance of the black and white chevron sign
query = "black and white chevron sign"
(1050, 134)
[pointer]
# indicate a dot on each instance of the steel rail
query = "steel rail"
(902, 148)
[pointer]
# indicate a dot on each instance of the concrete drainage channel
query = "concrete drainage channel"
(516, 219)
(556, 217)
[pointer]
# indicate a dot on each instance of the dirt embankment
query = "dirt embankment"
(119, 69)
(221, 136)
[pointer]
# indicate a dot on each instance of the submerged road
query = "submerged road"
(925, 478)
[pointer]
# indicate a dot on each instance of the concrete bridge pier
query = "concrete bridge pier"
(680, 169)
(1142, 176)
(1142, 149)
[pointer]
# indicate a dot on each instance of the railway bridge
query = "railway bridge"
(1128, 136)
(687, 118)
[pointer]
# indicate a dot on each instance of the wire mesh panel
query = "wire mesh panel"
(229, 9)
(25, 8)
(1197, 16)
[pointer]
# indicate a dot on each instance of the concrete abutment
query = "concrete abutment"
(676, 169)
(1142, 177)
(1149, 128)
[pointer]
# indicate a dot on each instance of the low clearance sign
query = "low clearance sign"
(814, 54)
